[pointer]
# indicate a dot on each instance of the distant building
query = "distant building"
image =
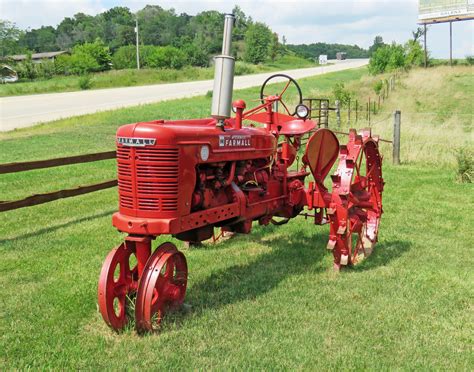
(7, 74)
(341, 55)
(323, 59)
(37, 57)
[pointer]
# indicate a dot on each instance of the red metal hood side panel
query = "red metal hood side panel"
(227, 145)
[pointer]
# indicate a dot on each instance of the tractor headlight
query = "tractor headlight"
(302, 111)
(204, 153)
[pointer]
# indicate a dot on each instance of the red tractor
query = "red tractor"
(186, 177)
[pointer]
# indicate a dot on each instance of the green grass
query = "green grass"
(268, 300)
(127, 78)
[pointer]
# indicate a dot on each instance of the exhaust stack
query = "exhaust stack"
(223, 75)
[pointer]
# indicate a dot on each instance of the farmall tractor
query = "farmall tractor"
(186, 177)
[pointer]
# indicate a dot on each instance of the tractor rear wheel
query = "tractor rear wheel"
(356, 200)
(162, 287)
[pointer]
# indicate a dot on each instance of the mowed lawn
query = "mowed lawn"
(269, 300)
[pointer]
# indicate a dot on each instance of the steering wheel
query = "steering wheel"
(290, 81)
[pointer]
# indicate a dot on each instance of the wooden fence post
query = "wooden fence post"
(338, 114)
(368, 110)
(396, 137)
(357, 110)
(349, 111)
(324, 113)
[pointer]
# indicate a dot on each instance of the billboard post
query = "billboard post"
(450, 43)
(442, 11)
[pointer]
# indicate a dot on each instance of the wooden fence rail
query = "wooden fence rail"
(40, 164)
(55, 195)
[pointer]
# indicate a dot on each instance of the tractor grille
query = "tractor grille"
(148, 178)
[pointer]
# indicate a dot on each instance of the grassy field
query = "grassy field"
(269, 300)
(127, 78)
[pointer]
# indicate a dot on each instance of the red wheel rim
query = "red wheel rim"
(117, 280)
(162, 287)
(356, 200)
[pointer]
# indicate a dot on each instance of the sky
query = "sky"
(300, 21)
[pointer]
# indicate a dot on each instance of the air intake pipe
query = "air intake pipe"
(223, 76)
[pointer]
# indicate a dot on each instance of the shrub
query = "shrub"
(26, 69)
(341, 93)
(195, 56)
(97, 51)
(145, 52)
(125, 57)
(62, 64)
(46, 69)
(81, 63)
(465, 165)
(470, 60)
(167, 57)
(378, 86)
(242, 68)
(161, 57)
(30, 70)
(85, 82)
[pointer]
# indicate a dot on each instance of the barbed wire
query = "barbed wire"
(412, 113)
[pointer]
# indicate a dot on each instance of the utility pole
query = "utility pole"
(138, 52)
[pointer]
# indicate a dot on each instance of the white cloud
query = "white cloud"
(37, 13)
(301, 21)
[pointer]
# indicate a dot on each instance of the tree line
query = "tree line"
(115, 28)
(166, 39)
(316, 49)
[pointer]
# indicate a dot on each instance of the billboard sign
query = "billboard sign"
(431, 11)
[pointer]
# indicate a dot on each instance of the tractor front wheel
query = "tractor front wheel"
(162, 287)
(118, 280)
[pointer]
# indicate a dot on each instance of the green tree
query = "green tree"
(313, 51)
(118, 25)
(257, 43)
(241, 24)
(40, 40)
(387, 58)
(207, 28)
(378, 43)
(9, 35)
(414, 55)
(159, 26)
(274, 46)
(418, 33)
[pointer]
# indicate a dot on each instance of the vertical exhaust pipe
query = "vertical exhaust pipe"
(223, 76)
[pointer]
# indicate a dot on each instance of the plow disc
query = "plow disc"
(356, 200)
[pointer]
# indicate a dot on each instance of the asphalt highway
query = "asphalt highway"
(26, 111)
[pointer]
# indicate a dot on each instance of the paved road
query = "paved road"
(26, 111)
